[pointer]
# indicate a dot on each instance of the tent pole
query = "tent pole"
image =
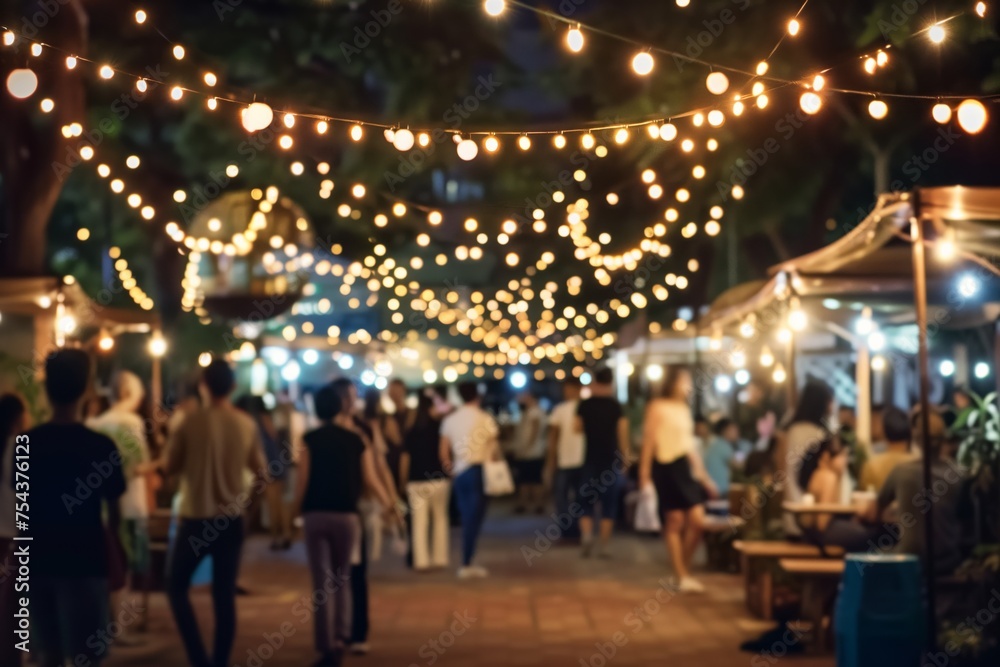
(920, 298)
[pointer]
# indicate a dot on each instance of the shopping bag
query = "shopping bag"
(647, 515)
(497, 479)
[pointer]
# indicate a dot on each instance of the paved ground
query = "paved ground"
(559, 610)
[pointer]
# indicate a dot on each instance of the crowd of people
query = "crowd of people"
(349, 471)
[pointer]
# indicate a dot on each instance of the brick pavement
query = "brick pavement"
(560, 610)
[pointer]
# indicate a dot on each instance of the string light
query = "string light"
(717, 83)
(574, 39)
(878, 109)
(793, 27)
(972, 116)
(22, 83)
(403, 139)
(524, 142)
(810, 102)
(936, 33)
(494, 7)
(642, 63)
(980, 9)
(941, 113)
(467, 150)
(491, 144)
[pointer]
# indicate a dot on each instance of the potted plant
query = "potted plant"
(978, 432)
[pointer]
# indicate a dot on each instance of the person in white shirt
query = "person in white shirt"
(122, 423)
(529, 452)
(468, 440)
(564, 466)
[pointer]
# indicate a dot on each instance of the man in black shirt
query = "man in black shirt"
(73, 473)
(606, 444)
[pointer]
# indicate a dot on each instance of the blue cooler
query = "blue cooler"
(880, 614)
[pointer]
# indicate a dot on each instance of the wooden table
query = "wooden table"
(799, 509)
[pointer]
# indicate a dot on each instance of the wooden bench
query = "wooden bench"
(757, 560)
(820, 577)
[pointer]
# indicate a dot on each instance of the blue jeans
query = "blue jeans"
(471, 502)
(566, 486)
(600, 486)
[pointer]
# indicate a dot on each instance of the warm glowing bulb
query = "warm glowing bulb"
(358, 190)
(491, 144)
(668, 132)
(467, 149)
(810, 102)
(980, 9)
(881, 58)
(793, 27)
(761, 68)
(179, 52)
(22, 83)
(494, 7)
(257, 116)
(106, 72)
(878, 109)
(870, 65)
(716, 118)
(642, 63)
(70, 62)
(945, 250)
(47, 105)
(587, 141)
(972, 116)
(621, 135)
(818, 82)
(176, 93)
(574, 39)
(357, 133)
(524, 142)
(403, 140)
(717, 83)
(936, 33)
(559, 141)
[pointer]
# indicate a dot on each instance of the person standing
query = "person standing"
(564, 464)
(394, 427)
(122, 423)
(13, 422)
(724, 452)
(277, 453)
(334, 465)
(75, 475)
(210, 452)
(369, 434)
(604, 426)
(427, 487)
(468, 439)
(529, 453)
(672, 464)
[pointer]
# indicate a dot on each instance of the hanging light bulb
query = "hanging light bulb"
(491, 144)
(494, 7)
(524, 142)
(22, 83)
(357, 133)
(257, 116)
(779, 375)
(653, 130)
(793, 27)
(717, 83)
(587, 141)
(810, 102)
(980, 9)
(716, 118)
(621, 135)
(106, 342)
(747, 328)
(766, 358)
(762, 101)
(761, 68)
(945, 249)
(738, 108)
(403, 140)
(559, 141)
(467, 149)
(972, 116)
(881, 58)
(668, 132)
(574, 39)
(642, 63)
(941, 113)
(936, 33)
(797, 319)
(878, 109)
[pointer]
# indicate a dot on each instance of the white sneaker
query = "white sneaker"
(690, 585)
(466, 572)
(479, 571)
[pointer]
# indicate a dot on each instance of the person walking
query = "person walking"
(13, 422)
(122, 423)
(604, 426)
(395, 427)
(210, 452)
(671, 463)
(427, 487)
(468, 439)
(529, 454)
(564, 463)
(75, 476)
(335, 466)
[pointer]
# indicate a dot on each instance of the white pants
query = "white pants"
(429, 514)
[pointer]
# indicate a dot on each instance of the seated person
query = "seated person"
(821, 475)
(905, 488)
(896, 426)
(723, 452)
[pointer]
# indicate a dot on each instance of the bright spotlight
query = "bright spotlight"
(346, 362)
(742, 376)
(291, 371)
(723, 384)
(876, 341)
(518, 380)
(981, 370)
(968, 286)
(947, 368)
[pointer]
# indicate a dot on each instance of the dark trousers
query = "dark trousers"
(222, 539)
(359, 594)
(468, 489)
(566, 488)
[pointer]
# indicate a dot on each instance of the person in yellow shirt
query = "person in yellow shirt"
(896, 426)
